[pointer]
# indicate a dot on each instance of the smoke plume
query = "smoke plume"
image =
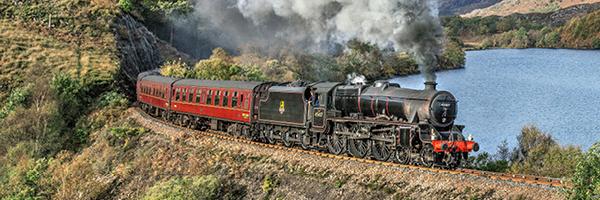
(323, 26)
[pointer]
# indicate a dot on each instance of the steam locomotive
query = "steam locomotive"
(382, 121)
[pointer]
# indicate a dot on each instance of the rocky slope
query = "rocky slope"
(507, 7)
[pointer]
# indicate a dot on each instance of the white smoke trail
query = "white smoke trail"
(321, 25)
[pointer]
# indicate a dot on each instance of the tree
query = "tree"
(586, 180)
(538, 154)
(220, 66)
(175, 68)
(454, 55)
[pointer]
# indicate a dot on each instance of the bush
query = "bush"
(113, 99)
(586, 180)
(454, 55)
(220, 66)
(24, 179)
(497, 163)
(125, 132)
(18, 97)
(175, 68)
(125, 5)
(200, 187)
(538, 154)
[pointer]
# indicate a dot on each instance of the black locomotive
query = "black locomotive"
(382, 121)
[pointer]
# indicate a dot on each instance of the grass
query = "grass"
(38, 38)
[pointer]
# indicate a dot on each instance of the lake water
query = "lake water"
(500, 91)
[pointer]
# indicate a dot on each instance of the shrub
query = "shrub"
(220, 66)
(113, 99)
(200, 187)
(175, 68)
(125, 132)
(596, 43)
(125, 5)
(453, 55)
(586, 180)
(538, 154)
(24, 179)
(18, 97)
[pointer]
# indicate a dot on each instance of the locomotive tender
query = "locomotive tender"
(383, 121)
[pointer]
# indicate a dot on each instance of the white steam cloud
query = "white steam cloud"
(322, 25)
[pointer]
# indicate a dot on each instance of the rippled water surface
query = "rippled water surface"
(500, 91)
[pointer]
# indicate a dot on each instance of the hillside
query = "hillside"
(459, 7)
(573, 27)
(507, 7)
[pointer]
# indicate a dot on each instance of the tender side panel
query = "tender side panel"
(283, 108)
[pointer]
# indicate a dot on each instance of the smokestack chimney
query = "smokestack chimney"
(429, 85)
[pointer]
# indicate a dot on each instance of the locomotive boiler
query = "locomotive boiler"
(390, 101)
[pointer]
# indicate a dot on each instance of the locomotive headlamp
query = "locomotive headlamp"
(470, 137)
(433, 137)
(476, 147)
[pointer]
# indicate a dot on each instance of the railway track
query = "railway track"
(517, 178)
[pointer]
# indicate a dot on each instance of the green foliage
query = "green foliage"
(520, 39)
(368, 60)
(113, 99)
(125, 5)
(521, 32)
(267, 185)
(176, 68)
(199, 187)
(486, 162)
(24, 180)
(170, 7)
(454, 55)
(586, 180)
(596, 43)
(18, 97)
(126, 132)
(538, 154)
(72, 95)
(220, 66)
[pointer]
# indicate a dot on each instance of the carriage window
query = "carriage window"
(198, 92)
(226, 98)
(234, 99)
(178, 94)
(209, 98)
(242, 100)
(191, 95)
(184, 95)
(218, 98)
